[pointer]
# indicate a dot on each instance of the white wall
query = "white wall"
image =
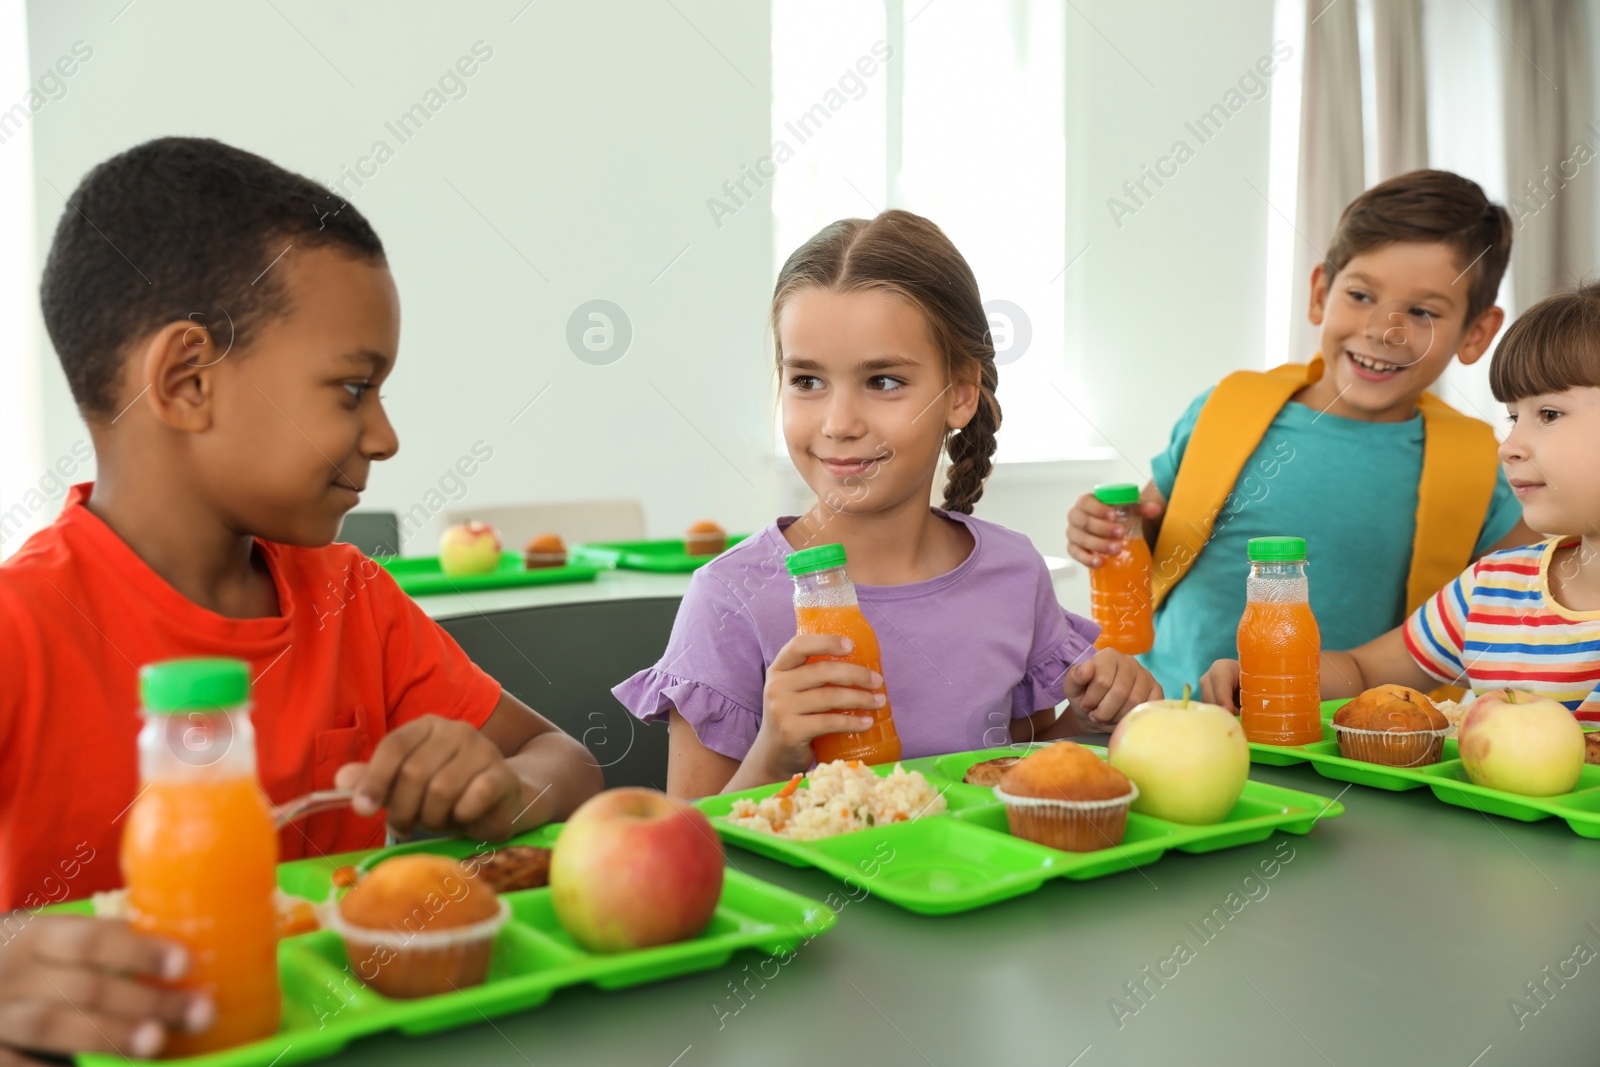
(592, 139)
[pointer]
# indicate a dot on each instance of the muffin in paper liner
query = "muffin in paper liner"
(1069, 825)
(1392, 748)
(403, 964)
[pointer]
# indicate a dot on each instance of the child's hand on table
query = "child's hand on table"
(1107, 686)
(1093, 532)
(1220, 685)
(440, 774)
(69, 983)
(802, 701)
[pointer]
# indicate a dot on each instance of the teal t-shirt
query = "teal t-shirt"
(1350, 489)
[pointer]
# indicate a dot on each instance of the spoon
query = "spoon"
(311, 804)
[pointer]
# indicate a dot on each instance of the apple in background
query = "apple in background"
(1189, 760)
(469, 548)
(633, 868)
(1521, 743)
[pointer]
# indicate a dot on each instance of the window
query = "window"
(961, 120)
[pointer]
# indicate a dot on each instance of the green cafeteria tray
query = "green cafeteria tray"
(966, 857)
(1446, 779)
(663, 557)
(325, 1006)
(421, 576)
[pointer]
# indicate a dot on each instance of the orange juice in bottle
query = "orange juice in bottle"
(825, 603)
(200, 849)
(1280, 692)
(1119, 589)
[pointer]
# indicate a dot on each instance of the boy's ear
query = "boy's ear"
(1480, 335)
(1319, 294)
(177, 387)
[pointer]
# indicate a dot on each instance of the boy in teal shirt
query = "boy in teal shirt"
(1347, 452)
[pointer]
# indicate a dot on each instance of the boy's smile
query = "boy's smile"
(1391, 321)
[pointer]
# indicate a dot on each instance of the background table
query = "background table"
(1397, 933)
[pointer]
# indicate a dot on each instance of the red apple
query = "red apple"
(1521, 743)
(469, 548)
(634, 868)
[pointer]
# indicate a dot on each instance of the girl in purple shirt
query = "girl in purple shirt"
(887, 362)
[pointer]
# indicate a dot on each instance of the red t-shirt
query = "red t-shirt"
(348, 658)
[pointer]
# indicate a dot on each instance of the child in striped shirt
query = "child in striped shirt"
(1524, 618)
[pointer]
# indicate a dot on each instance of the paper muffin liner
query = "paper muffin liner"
(536, 560)
(1069, 825)
(402, 964)
(1392, 748)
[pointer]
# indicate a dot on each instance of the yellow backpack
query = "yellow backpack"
(1459, 465)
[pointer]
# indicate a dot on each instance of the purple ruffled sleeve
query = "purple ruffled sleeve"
(1061, 640)
(712, 672)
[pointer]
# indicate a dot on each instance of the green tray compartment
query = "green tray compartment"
(326, 1006)
(661, 557)
(1580, 809)
(966, 858)
(421, 576)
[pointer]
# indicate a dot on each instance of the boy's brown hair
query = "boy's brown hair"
(1552, 347)
(1429, 206)
(905, 254)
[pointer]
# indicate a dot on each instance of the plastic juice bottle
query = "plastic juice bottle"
(1119, 589)
(1280, 689)
(825, 603)
(200, 849)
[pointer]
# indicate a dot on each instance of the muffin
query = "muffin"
(418, 925)
(990, 771)
(705, 538)
(546, 550)
(1066, 797)
(513, 867)
(1591, 746)
(1392, 725)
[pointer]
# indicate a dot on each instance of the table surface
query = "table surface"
(607, 585)
(1400, 932)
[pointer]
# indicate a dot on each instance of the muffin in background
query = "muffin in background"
(1392, 725)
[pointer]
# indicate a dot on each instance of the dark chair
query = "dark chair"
(377, 533)
(562, 661)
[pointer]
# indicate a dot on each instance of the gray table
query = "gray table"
(1398, 933)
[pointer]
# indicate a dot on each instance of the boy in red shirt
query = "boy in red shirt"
(224, 326)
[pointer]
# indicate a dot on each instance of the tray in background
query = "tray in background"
(326, 1006)
(966, 858)
(662, 557)
(421, 576)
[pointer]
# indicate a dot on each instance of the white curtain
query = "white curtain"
(1331, 155)
(1401, 85)
(1550, 186)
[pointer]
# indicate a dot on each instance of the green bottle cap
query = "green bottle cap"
(1277, 549)
(179, 685)
(812, 560)
(1117, 494)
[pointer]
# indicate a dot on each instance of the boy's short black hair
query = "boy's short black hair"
(1552, 347)
(1429, 206)
(179, 228)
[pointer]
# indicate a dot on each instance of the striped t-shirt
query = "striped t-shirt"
(1498, 626)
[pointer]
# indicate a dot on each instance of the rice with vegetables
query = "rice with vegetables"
(844, 795)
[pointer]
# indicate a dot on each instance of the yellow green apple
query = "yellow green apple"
(469, 548)
(1190, 760)
(1521, 743)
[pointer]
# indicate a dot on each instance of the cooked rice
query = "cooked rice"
(842, 796)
